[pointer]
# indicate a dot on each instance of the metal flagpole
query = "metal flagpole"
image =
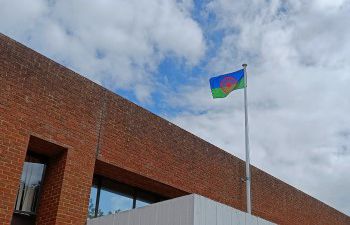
(247, 153)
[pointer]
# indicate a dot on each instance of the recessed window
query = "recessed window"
(144, 198)
(109, 197)
(29, 188)
(113, 201)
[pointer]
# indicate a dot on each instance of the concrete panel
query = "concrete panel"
(223, 214)
(106, 219)
(186, 210)
(120, 219)
(240, 217)
(251, 220)
(145, 217)
(209, 212)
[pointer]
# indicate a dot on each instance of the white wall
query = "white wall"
(186, 210)
(209, 212)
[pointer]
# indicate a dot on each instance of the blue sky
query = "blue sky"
(160, 55)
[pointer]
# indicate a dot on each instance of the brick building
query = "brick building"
(68, 146)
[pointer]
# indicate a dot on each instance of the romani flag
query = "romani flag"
(222, 85)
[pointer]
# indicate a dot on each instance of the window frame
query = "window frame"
(103, 183)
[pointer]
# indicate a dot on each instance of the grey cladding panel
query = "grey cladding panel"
(186, 210)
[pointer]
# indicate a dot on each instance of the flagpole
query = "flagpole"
(247, 153)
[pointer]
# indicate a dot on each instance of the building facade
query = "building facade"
(68, 146)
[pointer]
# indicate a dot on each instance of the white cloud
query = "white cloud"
(298, 58)
(116, 43)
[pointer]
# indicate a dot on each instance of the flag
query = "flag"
(222, 85)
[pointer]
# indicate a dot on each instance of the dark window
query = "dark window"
(109, 197)
(29, 188)
(143, 198)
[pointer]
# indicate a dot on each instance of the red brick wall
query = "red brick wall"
(41, 98)
(52, 187)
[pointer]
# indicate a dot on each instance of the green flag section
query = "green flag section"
(222, 85)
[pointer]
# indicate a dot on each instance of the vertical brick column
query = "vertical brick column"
(66, 189)
(12, 154)
(51, 190)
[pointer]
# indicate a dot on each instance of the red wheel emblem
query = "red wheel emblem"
(228, 84)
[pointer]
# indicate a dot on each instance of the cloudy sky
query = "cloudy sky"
(161, 53)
